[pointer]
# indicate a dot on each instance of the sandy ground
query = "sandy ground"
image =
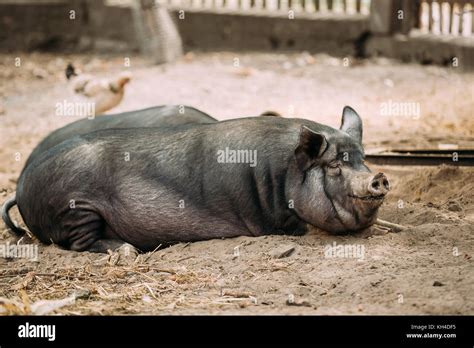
(427, 269)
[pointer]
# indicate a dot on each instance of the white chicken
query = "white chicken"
(105, 93)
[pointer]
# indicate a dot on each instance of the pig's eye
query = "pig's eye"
(334, 168)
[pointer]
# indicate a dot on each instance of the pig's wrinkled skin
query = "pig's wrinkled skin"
(158, 116)
(85, 195)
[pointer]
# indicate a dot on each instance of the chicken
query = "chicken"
(105, 93)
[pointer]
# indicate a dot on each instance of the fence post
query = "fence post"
(330, 4)
(411, 12)
(441, 18)
(384, 16)
(472, 20)
(316, 5)
(461, 16)
(430, 15)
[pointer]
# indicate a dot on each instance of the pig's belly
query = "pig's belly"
(146, 227)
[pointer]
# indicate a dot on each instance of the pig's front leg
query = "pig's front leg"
(373, 230)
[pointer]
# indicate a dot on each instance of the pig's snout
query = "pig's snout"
(379, 185)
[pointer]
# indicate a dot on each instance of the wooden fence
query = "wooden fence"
(445, 17)
(306, 6)
(438, 17)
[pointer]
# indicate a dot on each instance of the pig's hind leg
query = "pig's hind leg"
(86, 232)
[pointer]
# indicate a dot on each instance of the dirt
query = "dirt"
(426, 269)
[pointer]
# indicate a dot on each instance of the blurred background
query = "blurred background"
(236, 58)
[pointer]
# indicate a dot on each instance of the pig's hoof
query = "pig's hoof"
(373, 231)
(128, 251)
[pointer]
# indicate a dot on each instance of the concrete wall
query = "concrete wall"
(28, 27)
(239, 31)
(455, 52)
(398, 38)
(32, 26)
(39, 26)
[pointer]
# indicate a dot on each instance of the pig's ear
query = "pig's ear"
(310, 147)
(351, 123)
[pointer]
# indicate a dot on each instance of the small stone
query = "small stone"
(81, 294)
(282, 251)
(300, 62)
(146, 299)
(132, 279)
(298, 303)
(437, 283)
(40, 73)
(454, 206)
(189, 57)
(388, 83)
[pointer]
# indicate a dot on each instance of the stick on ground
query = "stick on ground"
(392, 226)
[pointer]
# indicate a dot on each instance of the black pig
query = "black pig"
(158, 186)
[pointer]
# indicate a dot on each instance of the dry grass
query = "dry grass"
(114, 279)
